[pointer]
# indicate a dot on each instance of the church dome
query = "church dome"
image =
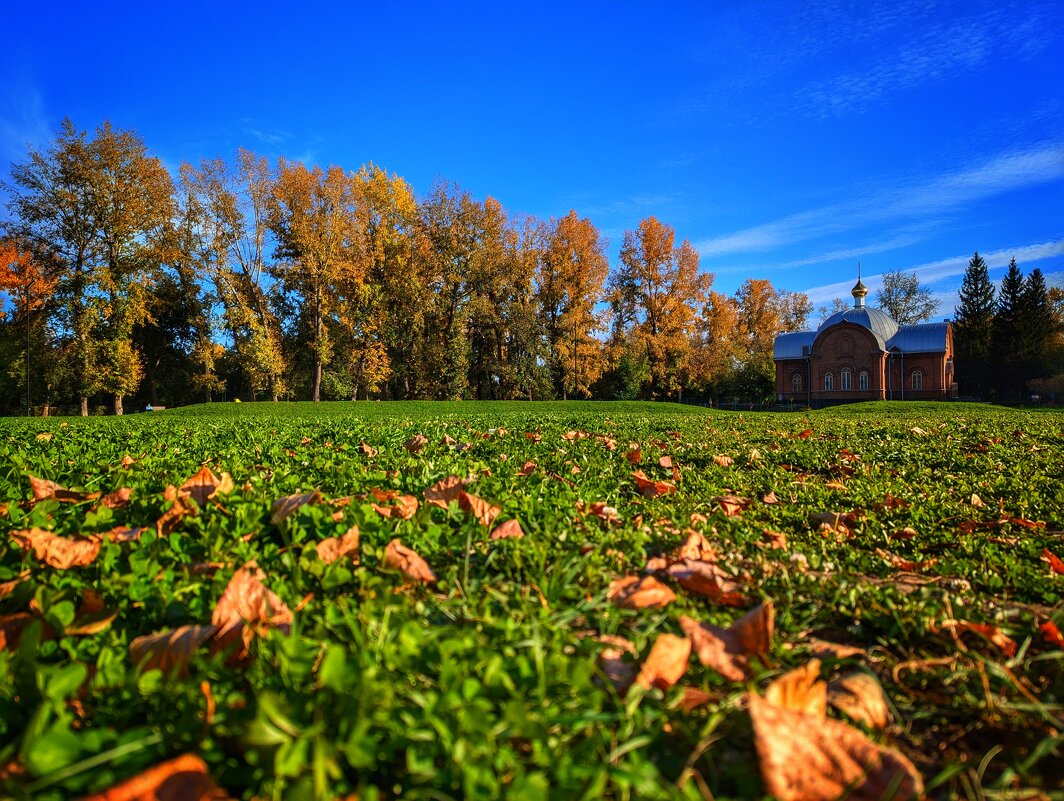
(878, 322)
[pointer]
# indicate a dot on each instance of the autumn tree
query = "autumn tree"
(666, 291)
(718, 350)
(238, 200)
(321, 250)
(763, 312)
(28, 283)
(904, 299)
(835, 306)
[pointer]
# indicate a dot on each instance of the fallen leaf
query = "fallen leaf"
(479, 508)
(170, 651)
(775, 540)
(918, 431)
(404, 507)
(398, 557)
(527, 469)
(59, 552)
(639, 592)
(708, 580)
(416, 443)
(620, 672)
(732, 505)
(11, 628)
(649, 488)
(723, 461)
(127, 461)
(634, 455)
(834, 485)
(248, 606)
(443, 492)
(824, 649)
(118, 499)
(693, 697)
(1056, 564)
(904, 564)
(769, 498)
(333, 548)
(666, 663)
(988, 632)
(808, 757)
(805, 434)
(977, 502)
(205, 485)
(448, 440)
(178, 511)
(800, 690)
(44, 490)
(367, 449)
(511, 529)
(1052, 634)
(860, 697)
(728, 651)
(284, 508)
(533, 435)
(698, 548)
(44, 436)
(183, 778)
(600, 510)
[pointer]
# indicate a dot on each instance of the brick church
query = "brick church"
(861, 354)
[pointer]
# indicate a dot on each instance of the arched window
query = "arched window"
(862, 380)
(829, 382)
(796, 382)
(918, 379)
(846, 379)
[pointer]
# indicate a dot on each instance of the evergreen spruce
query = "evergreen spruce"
(973, 328)
(1037, 325)
(1009, 349)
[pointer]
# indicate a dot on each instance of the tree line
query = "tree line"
(252, 280)
(1009, 340)
(248, 279)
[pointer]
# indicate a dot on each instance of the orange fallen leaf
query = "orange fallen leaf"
(809, 757)
(404, 507)
(728, 651)
(479, 508)
(183, 778)
(177, 512)
(977, 502)
(805, 434)
(443, 492)
(824, 649)
(511, 529)
(11, 628)
(708, 580)
(535, 436)
(634, 455)
(398, 557)
(416, 443)
(367, 449)
(723, 461)
(666, 663)
(118, 499)
(860, 697)
(800, 690)
(44, 490)
(127, 461)
(986, 631)
(649, 488)
(333, 548)
(639, 592)
(620, 672)
(205, 485)
(1052, 634)
(527, 469)
(62, 553)
(170, 651)
(694, 697)
(698, 548)
(732, 505)
(1056, 564)
(284, 508)
(774, 540)
(249, 607)
(904, 564)
(769, 498)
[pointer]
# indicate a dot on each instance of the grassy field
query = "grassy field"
(908, 545)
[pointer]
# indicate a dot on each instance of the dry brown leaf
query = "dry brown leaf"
(479, 508)
(723, 461)
(177, 512)
(333, 548)
(634, 454)
(398, 557)
(416, 443)
(698, 548)
(824, 649)
(44, 490)
(170, 651)
(639, 592)
(860, 697)
(248, 606)
(535, 436)
(977, 502)
(118, 499)
(444, 491)
(527, 469)
(666, 663)
(708, 580)
(367, 449)
(11, 627)
(127, 461)
(800, 690)
(511, 529)
(59, 552)
(732, 505)
(1052, 634)
(770, 497)
(600, 510)
(774, 540)
(44, 436)
(183, 778)
(285, 507)
(448, 440)
(8, 587)
(649, 488)
(904, 564)
(404, 508)
(988, 632)
(694, 697)
(205, 485)
(621, 673)
(1056, 564)
(808, 757)
(728, 651)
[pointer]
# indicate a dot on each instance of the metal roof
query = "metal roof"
(875, 320)
(920, 338)
(789, 346)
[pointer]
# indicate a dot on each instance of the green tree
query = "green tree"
(1008, 345)
(904, 299)
(1037, 325)
(973, 328)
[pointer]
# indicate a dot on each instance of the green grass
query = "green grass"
(486, 684)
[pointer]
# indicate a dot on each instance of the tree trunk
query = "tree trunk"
(273, 389)
(84, 406)
(316, 393)
(118, 405)
(208, 393)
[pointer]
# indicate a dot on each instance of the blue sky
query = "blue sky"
(787, 141)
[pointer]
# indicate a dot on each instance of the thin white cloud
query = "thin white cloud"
(932, 273)
(1005, 173)
(23, 123)
(270, 137)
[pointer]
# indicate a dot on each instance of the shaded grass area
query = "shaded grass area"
(486, 684)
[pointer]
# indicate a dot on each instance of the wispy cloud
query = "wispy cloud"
(268, 137)
(1039, 165)
(935, 272)
(23, 122)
